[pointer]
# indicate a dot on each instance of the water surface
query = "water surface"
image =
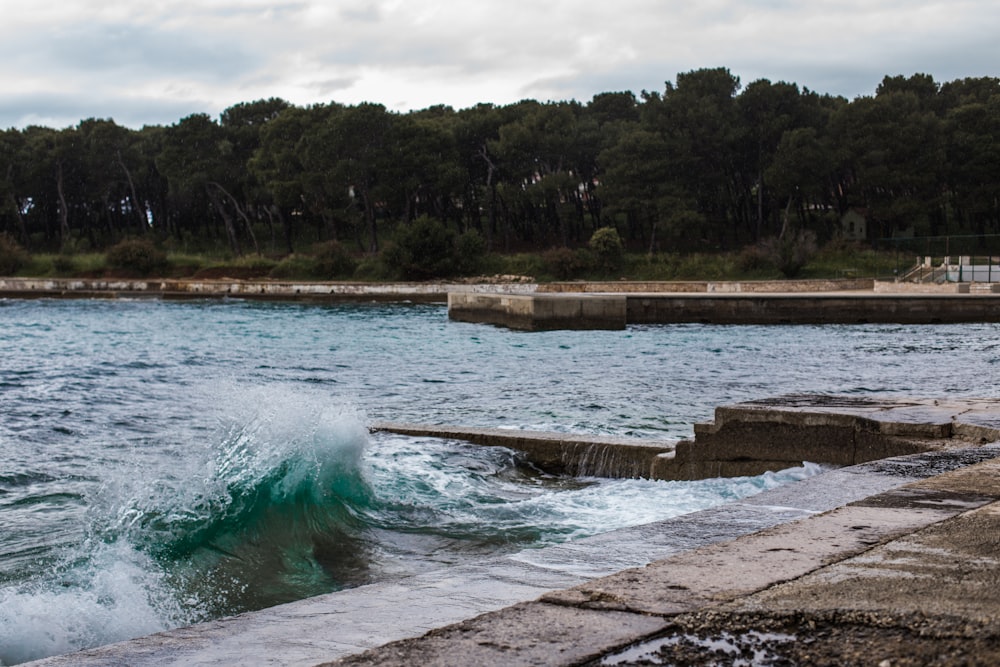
(163, 463)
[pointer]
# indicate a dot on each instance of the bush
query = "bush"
(470, 251)
(63, 264)
(12, 256)
(295, 267)
(422, 249)
(791, 252)
(333, 261)
(752, 259)
(136, 256)
(565, 264)
(608, 249)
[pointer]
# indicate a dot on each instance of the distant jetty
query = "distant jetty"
(616, 305)
(583, 305)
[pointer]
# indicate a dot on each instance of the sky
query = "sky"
(154, 62)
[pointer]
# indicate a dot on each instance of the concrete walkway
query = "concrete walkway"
(907, 576)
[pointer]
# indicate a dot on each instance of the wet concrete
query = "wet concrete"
(908, 576)
(557, 453)
(894, 559)
(751, 438)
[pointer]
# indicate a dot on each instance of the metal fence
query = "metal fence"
(941, 259)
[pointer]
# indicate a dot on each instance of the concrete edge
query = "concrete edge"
(582, 624)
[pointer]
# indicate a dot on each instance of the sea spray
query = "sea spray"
(252, 520)
(102, 593)
(260, 511)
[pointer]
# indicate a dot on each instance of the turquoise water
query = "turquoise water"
(164, 463)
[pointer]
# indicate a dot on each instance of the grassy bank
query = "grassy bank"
(137, 258)
(836, 263)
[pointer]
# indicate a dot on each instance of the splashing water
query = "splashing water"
(243, 522)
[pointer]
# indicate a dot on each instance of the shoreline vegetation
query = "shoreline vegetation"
(140, 259)
(706, 179)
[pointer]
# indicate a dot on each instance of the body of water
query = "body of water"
(165, 463)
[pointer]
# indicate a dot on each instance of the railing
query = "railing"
(961, 269)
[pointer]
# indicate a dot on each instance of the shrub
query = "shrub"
(295, 267)
(564, 263)
(422, 249)
(790, 253)
(12, 256)
(752, 258)
(64, 264)
(333, 261)
(608, 249)
(136, 256)
(470, 251)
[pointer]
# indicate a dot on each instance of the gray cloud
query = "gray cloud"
(160, 60)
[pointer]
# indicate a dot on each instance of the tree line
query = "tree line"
(703, 164)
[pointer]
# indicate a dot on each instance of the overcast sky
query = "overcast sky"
(154, 62)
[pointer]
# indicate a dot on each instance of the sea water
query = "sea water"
(166, 463)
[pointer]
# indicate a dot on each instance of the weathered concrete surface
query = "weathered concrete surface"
(715, 286)
(908, 576)
(564, 310)
(538, 312)
(559, 453)
(820, 308)
(887, 287)
(751, 438)
(243, 289)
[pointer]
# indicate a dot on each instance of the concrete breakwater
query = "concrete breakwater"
(613, 305)
(544, 311)
(810, 571)
(276, 290)
(557, 453)
(751, 438)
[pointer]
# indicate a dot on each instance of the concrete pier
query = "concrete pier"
(894, 561)
(544, 311)
(751, 438)
(823, 308)
(536, 312)
(558, 453)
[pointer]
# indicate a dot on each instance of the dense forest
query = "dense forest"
(705, 164)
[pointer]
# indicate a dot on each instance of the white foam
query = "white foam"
(117, 593)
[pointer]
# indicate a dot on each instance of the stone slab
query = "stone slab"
(561, 453)
(749, 564)
(723, 596)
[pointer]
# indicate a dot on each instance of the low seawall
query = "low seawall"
(558, 453)
(821, 308)
(709, 286)
(537, 312)
(271, 290)
(748, 439)
(616, 310)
